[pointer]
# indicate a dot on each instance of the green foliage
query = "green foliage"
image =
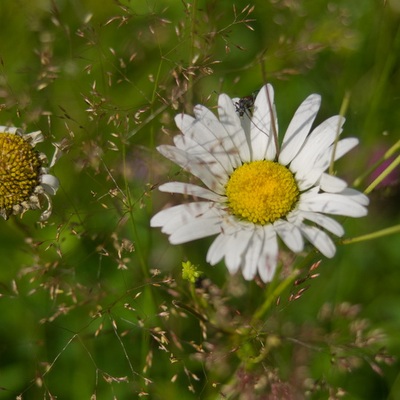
(93, 302)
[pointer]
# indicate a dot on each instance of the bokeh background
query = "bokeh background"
(93, 304)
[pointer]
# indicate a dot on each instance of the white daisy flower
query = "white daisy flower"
(255, 194)
(24, 177)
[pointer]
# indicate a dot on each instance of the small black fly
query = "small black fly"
(245, 104)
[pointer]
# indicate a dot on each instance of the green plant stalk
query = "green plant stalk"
(389, 153)
(273, 296)
(384, 232)
(383, 175)
(342, 113)
(148, 293)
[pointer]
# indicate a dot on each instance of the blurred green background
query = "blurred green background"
(91, 303)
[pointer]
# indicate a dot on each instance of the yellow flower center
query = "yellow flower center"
(19, 170)
(261, 192)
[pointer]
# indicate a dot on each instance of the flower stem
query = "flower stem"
(273, 296)
(384, 232)
(383, 175)
(342, 113)
(389, 153)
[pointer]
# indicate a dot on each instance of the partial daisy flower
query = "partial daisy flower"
(24, 178)
(255, 191)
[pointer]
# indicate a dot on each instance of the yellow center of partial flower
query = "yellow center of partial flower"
(19, 170)
(261, 192)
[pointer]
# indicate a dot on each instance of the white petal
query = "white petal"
(207, 225)
(252, 254)
(50, 183)
(237, 245)
(320, 240)
(36, 137)
(198, 135)
(322, 220)
(245, 122)
(46, 213)
(306, 181)
(218, 162)
(332, 184)
(299, 128)
(344, 146)
(163, 217)
(217, 250)
(190, 190)
(261, 131)
(56, 155)
(333, 203)
(221, 142)
(324, 160)
(269, 255)
(356, 196)
(290, 234)
(316, 145)
(172, 218)
(11, 130)
(196, 166)
(234, 130)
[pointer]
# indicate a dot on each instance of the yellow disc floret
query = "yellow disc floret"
(19, 170)
(261, 192)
